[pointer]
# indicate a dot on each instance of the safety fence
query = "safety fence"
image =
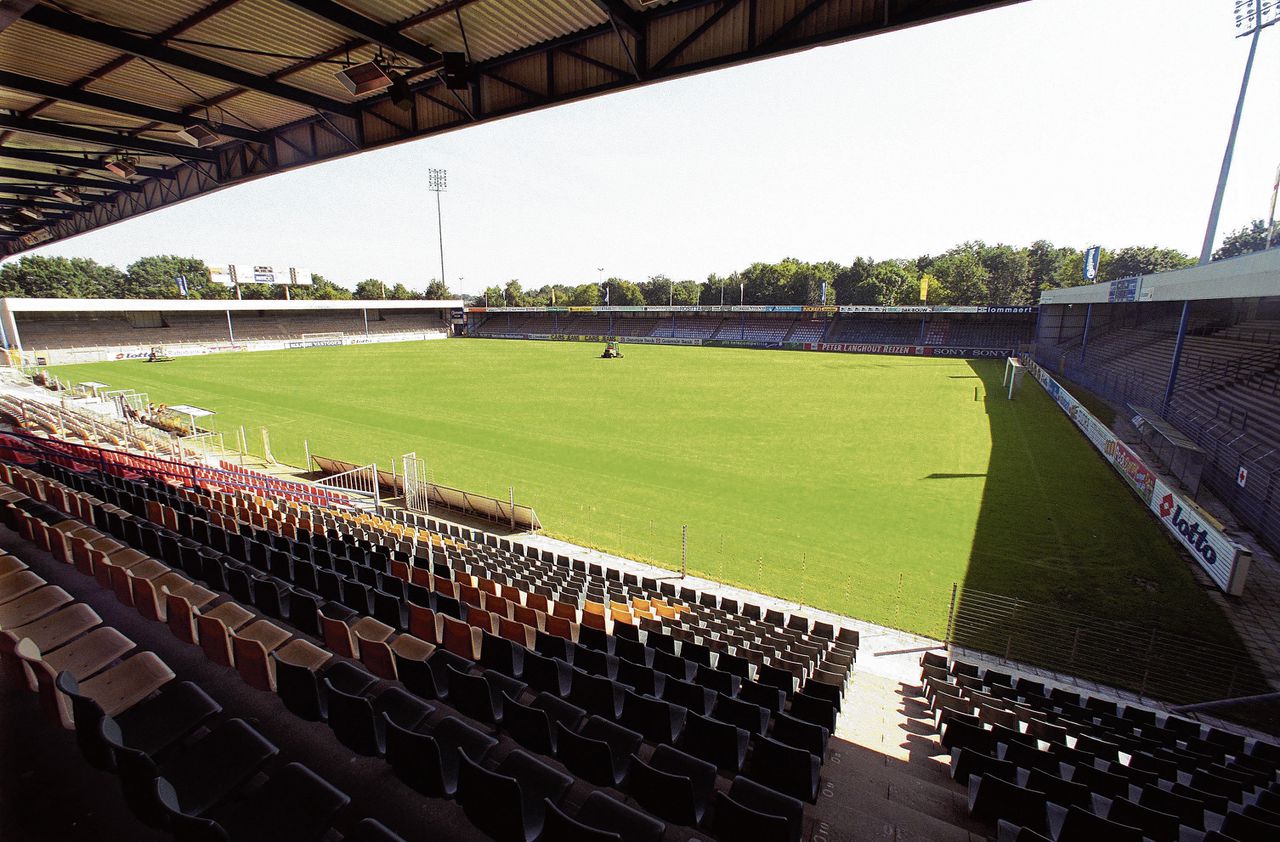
(427, 496)
(1149, 661)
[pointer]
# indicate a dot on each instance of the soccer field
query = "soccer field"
(866, 485)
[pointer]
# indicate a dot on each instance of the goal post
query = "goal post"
(1014, 371)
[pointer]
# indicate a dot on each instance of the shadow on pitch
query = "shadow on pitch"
(952, 476)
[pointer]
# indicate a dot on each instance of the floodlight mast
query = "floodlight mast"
(437, 180)
(1252, 16)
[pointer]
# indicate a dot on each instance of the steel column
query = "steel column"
(1177, 355)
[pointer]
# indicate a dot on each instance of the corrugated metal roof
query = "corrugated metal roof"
(36, 51)
(157, 84)
(137, 15)
(497, 27)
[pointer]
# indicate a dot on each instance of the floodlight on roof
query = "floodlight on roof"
(363, 78)
(198, 135)
(70, 195)
(31, 212)
(122, 166)
(7, 225)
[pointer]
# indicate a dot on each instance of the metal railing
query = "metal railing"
(1152, 662)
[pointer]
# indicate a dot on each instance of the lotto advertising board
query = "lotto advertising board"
(1226, 562)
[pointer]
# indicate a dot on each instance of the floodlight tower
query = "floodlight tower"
(437, 180)
(1252, 16)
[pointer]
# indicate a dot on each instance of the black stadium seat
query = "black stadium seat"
(149, 727)
(428, 762)
(509, 803)
(717, 742)
(372, 830)
(992, 799)
(600, 818)
(295, 803)
(201, 776)
(791, 771)
(672, 785)
(752, 811)
(599, 753)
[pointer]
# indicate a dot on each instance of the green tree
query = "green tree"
(321, 289)
(1251, 237)
(894, 283)
(491, 297)
(623, 293)
(1045, 264)
(438, 290)
(1008, 270)
(715, 289)
(32, 276)
(514, 294)
(687, 293)
(157, 277)
(962, 277)
(1142, 260)
(852, 283)
(586, 295)
(371, 289)
(658, 290)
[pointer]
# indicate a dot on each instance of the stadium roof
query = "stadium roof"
(183, 305)
(1255, 275)
(87, 84)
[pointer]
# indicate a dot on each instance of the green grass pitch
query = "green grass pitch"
(866, 485)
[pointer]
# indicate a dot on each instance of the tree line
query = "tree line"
(157, 277)
(972, 273)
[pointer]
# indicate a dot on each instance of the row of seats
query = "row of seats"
(477, 692)
(789, 647)
(182, 764)
(1043, 762)
(46, 334)
(791, 643)
(845, 328)
(79, 543)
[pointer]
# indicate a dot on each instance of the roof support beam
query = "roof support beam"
(111, 140)
(44, 205)
(383, 36)
(12, 10)
(145, 47)
(46, 193)
(725, 8)
(65, 93)
(68, 180)
(91, 161)
(623, 15)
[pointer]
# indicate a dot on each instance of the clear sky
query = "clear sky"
(1077, 121)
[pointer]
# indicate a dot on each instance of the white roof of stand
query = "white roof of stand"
(183, 305)
(193, 411)
(1255, 275)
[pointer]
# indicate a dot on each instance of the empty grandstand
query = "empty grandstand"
(1200, 347)
(50, 331)
(987, 331)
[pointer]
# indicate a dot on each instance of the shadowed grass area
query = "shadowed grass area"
(853, 483)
